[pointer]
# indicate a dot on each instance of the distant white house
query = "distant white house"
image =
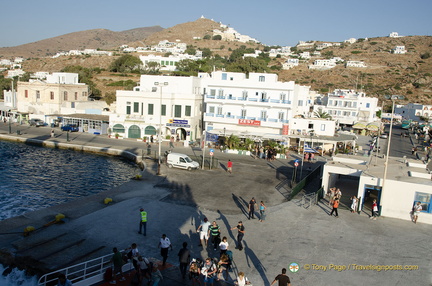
(351, 40)
(399, 50)
(323, 64)
(14, 73)
(166, 46)
(254, 55)
(355, 64)
(322, 46)
(167, 63)
(305, 55)
(394, 35)
(290, 63)
(303, 44)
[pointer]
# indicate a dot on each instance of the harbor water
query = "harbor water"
(35, 177)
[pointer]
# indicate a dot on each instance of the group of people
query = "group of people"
(252, 206)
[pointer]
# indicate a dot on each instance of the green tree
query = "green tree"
(207, 37)
(152, 68)
(126, 63)
(322, 114)
(233, 142)
(248, 65)
(206, 52)
(217, 37)
(190, 50)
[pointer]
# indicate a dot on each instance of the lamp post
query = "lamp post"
(161, 85)
(393, 98)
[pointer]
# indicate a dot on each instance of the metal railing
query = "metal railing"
(85, 273)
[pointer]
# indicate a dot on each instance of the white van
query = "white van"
(181, 161)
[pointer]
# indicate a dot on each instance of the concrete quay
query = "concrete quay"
(327, 249)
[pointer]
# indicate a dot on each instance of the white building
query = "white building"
(351, 40)
(394, 35)
(173, 102)
(323, 64)
(167, 63)
(166, 46)
(290, 63)
(355, 64)
(399, 50)
(317, 126)
(305, 55)
(349, 106)
(14, 73)
(322, 46)
(414, 111)
(257, 104)
(60, 93)
(406, 183)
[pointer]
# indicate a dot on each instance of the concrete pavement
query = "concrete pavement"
(177, 200)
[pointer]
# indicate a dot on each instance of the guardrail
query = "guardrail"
(83, 274)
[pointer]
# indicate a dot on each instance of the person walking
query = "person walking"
(171, 144)
(184, 258)
(203, 230)
(52, 133)
(194, 273)
(133, 255)
(262, 209)
(374, 210)
(229, 166)
(252, 205)
(241, 231)
(335, 207)
(353, 204)
(143, 222)
(416, 211)
(223, 245)
(117, 261)
(209, 271)
(283, 279)
(241, 280)
(156, 276)
(214, 231)
(164, 244)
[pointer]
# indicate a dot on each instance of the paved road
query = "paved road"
(177, 200)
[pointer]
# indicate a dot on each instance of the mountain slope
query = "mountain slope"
(91, 39)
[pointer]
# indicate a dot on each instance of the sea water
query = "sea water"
(33, 178)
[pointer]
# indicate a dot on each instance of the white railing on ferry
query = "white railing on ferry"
(83, 274)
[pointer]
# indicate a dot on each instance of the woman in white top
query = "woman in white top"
(353, 204)
(223, 245)
(241, 280)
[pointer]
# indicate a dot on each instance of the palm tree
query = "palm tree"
(322, 114)
(233, 142)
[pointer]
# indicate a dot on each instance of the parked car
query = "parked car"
(181, 161)
(70, 127)
(36, 122)
(384, 136)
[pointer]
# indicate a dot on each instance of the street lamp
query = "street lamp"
(393, 99)
(161, 85)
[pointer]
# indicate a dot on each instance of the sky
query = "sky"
(278, 22)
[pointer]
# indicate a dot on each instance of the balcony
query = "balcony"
(210, 96)
(220, 115)
(210, 114)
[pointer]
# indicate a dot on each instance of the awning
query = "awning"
(360, 125)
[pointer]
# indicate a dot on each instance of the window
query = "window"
(188, 110)
(368, 105)
(281, 116)
(150, 109)
(224, 76)
(424, 199)
(52, 95)
(76, 95)
(177, 110)
(355, 104)
(128, 107)
(213, 92)
(221, 92)
(37, 94)
(211, 109)
(283, 96)
(310, 126)
(263, 114)
(219, 110)
(84, 93)
(163, 109)
(243, 113)
(323, 127)
(261, 78)
(136, 107)
(65, 95)
(244, 95)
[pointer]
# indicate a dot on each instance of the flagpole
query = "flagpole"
(301, 170)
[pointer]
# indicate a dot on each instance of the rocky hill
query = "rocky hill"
(91, 39)
(386, 73)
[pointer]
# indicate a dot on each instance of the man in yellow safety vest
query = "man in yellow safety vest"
(143, 221)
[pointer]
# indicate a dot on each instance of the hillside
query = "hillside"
(91, 39)
(386, 73)
(407, 74)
